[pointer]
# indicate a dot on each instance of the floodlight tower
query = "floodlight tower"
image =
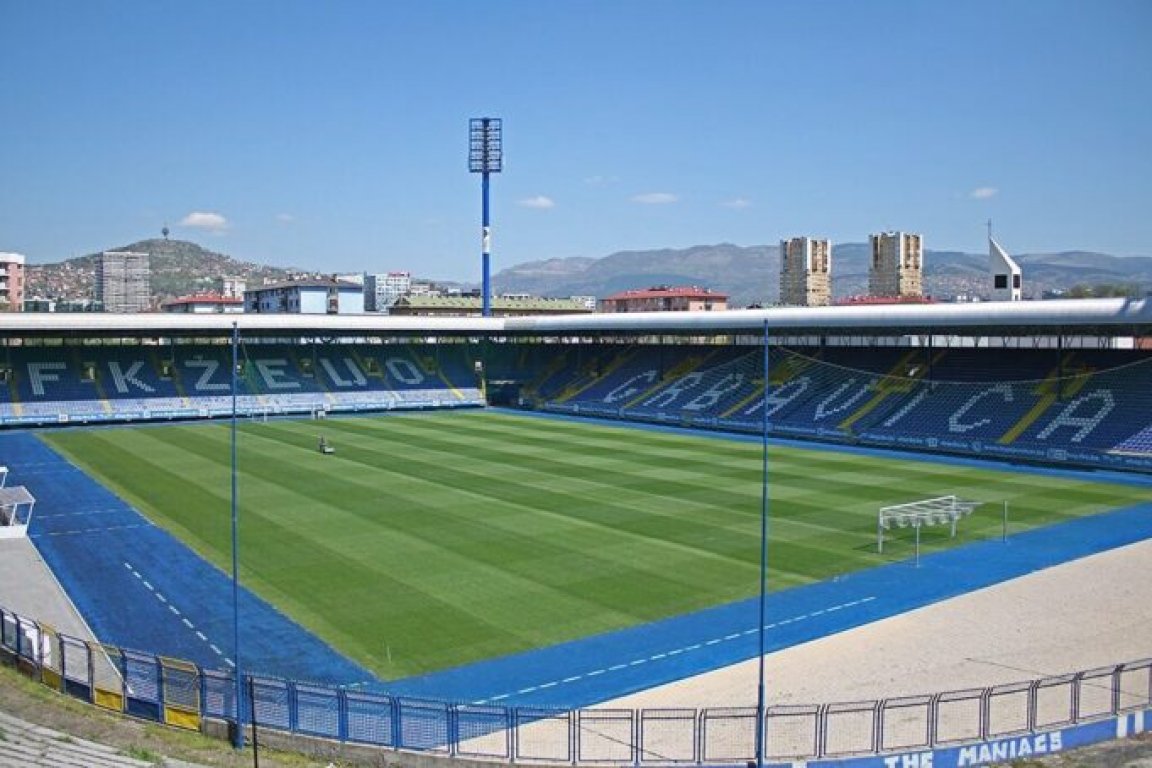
(485, 156)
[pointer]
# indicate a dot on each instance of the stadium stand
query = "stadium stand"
(130, 383)
(1084, 407)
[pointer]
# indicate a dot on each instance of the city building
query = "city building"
(11, 282)
(663, 298)
(381, 291)
(204, 304)
(233, 287)
(123, 281)
(313, 296)
(1007, 277)
(897, 266)
(805, 272)
(472, 306)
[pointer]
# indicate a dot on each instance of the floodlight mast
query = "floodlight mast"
(485, 156)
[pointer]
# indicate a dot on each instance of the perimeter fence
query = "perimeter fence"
(182, 694)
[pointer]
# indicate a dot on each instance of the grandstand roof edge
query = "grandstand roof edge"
(163, 324)
(905, 319)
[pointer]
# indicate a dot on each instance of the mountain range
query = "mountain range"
(748, 274)
(751, 274)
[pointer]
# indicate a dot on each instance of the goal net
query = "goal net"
(943, 510)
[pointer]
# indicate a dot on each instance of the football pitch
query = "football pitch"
(431, 540)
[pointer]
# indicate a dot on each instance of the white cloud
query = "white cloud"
(983, 193)
(539, 201)
(737, 202)
(655, 198)
(209, 222)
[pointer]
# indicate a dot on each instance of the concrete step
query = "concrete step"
(27, 744)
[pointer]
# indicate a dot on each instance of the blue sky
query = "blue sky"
(333, 135)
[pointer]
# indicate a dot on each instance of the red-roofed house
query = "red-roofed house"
(663, 298)
(204, 304)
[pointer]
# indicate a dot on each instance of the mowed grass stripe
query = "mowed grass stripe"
(436, 539)
(462, 534)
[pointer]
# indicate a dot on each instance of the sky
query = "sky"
(333, 136)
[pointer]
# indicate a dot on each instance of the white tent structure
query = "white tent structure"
(15, 511)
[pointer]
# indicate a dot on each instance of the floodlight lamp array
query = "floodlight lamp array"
(485, 145)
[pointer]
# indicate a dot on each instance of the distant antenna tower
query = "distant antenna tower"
(165, 231)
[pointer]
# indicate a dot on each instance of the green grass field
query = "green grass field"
(430, 540)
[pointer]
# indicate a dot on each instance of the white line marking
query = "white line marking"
(173, 609)
(678, 651)
(188, 624)
(215, 649)
(201, 635)
(149, 585)
(161, 598)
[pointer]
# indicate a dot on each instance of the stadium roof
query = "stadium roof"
(1079, 316)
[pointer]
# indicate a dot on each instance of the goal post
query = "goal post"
(942, 510)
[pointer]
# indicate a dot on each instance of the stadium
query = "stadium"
(527, 539)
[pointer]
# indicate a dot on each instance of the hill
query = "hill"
(751, 275)
(178, 268)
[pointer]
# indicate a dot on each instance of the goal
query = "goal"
(943, 510)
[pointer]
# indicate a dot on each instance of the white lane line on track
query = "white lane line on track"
(176, 611)
(678, 651)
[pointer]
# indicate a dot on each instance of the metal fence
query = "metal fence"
(182, 694)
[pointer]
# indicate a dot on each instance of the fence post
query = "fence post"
(513, 719)
(1076, 683)
(637, 747)
(933, 719)
(821, 730)
(878, 709)
(342, 713)
(453, 715)
(985, 713)
(1116, 689)
(1033, 704)
(91, 659)
(293, 709)
(397, 734)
